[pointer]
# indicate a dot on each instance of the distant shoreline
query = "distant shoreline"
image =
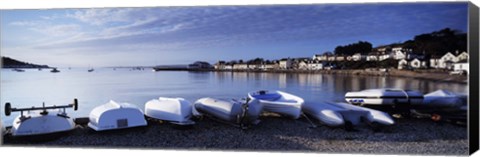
(428, 75)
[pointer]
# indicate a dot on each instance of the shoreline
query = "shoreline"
(442, 76)
(274, 134)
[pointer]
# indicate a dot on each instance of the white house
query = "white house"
(372, 57)
(416, 63)
(322, 57)
(384, 57)
(398, 55)
(461, 66)
(240, 66)
(402, 64)
(447, 60)
(219, 65)
(302, 64)
(462, 56)
(228, 67)
(314, 65)
(435, 62)
(269, 66)
(285, 63)
(358, 57)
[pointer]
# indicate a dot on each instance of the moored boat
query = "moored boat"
(39, 121)
(384, 96)
(244, 113)
(279, 102)
(113, 115)
(175, 110)
(54, 70)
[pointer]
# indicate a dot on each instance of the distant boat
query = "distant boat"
(90, 70)
(18, 70)
(54, 70)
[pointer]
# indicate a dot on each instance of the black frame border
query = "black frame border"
(473, 111)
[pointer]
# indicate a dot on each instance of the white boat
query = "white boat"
(175, 110)
(384, 97)
(338, 114)
(324, 112)
(113, 115)
(279, 102)
(240, 112)
(444, 98)
(39, 121)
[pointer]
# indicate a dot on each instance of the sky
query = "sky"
(146, 36)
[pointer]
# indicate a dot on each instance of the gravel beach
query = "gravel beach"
(275, 134)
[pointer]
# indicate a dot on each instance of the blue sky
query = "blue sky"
(181, 35)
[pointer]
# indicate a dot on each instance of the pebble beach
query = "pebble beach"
(274, 134)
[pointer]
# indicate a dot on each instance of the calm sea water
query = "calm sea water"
(32, 87)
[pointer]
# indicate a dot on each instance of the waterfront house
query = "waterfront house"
(322, 57)
(269, 66)
(403, 64)
(372, 56)
(301, 63)
(417, 63)
(339, 58)
(399, 55)
(462, 57)
(240, 66)
(384, 57)
(435, 61)
(285, 63)
(253, 66)
(220, 65)
(314, 65)
(447, 60)
(461, 66)
(228, 66)
(358, 57)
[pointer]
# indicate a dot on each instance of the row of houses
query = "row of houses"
(406, 60)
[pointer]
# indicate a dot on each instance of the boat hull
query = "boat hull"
(36, 124)
(112, 116)
(229, 110)
(175, 110)
(384, 97)
(279, 102)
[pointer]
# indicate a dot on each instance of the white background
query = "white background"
(87, 152)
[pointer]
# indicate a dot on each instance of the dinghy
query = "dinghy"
(175, 110)
(338, 114)
(113, 115)
(384, 97)
(40, 121)
(239, 112)
(279, 102)
(325, 113)
(444, 98)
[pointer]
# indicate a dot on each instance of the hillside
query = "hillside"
(12, 63)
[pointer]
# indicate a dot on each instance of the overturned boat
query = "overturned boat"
(444, 98)
(244, 112)
(386, 99)
(174, 110)
(113, 115)
(40, 121)
(340, 114)
(279, 102)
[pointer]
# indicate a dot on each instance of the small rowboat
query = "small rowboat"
(243, 113)
(384, 97)
(175, 110)
(113, 115)
(41, 120)
(279, 102)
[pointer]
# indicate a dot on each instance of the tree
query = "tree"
(362, 47)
